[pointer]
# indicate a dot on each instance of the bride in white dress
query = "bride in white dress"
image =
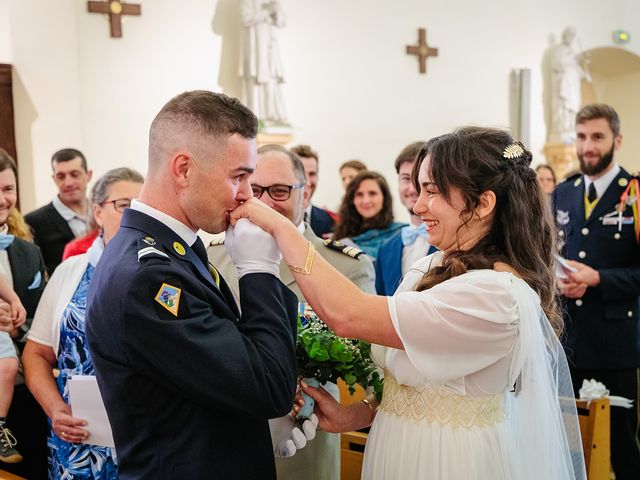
(476, 382)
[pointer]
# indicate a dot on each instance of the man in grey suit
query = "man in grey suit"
(279, 181)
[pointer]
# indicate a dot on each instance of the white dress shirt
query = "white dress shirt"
(79, 225)
(184, 232)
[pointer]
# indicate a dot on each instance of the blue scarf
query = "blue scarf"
(371, 240)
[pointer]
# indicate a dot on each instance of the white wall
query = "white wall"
(352, 92)
(5, 32)
(46, 90)
(623, 93)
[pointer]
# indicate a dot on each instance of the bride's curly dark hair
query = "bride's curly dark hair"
(522, 234)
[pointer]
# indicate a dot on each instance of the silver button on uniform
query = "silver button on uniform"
(585, 231)
(616, 236)
(629, 314)
(579, 302)
(582, 254)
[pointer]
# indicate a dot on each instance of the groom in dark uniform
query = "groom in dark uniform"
(188, 382)
(594, 211)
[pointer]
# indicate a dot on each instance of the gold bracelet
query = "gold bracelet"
(306, 270)
(371, 407)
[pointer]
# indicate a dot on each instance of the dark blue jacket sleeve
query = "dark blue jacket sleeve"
(245, 367)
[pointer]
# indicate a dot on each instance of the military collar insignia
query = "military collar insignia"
(577, 182)
(169, 297)
(179, 248)
(149, 240)
(562, 217)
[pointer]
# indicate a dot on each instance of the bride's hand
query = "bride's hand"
(259, 214)
(332, 416)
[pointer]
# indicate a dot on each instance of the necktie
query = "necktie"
(592, 195)
(410, 235)
(200, 251)
(5, 240)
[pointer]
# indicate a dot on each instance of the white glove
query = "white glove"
(287, 437)
(252, 250)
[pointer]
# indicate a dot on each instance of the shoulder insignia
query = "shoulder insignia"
(623, 182)
(577, 182)
(151, 252)
(216, 242)
(149, 241)
(353, 252)
(149, 248)
(169, 297)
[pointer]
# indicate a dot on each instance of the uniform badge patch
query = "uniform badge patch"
(178, 247)
(169, 297)
(149, 241)
(562, 217)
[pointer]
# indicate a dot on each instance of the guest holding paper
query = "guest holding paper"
(57, 339)
(476, 382)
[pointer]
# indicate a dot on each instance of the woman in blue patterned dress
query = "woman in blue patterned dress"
(57, 339)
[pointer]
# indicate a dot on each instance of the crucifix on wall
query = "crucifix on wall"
(115, 9)
(422, 50)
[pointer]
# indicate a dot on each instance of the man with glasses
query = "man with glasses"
(279, 182)
(68, 215)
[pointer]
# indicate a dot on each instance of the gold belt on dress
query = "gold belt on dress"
(438, 404)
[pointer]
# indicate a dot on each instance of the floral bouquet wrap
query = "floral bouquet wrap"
(324, 357)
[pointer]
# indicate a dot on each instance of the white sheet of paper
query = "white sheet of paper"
(86, 403)
(562, 267)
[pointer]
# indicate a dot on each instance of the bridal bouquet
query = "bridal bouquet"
(323, 357)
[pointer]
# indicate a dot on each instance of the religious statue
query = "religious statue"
(260, 64)
(567, 74)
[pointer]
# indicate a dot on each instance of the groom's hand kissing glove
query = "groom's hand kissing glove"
(286, 436)
(252, 250)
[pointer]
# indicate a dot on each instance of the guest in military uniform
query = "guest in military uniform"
(279, 181)
(188, 382)
(595, 215)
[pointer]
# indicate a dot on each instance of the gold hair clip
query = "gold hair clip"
(514, 150)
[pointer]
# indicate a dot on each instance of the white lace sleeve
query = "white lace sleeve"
(458, 327)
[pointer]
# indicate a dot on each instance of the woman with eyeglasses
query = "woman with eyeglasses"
(57, 338)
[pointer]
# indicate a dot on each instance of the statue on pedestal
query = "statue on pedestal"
(261, 68)
(567, 75)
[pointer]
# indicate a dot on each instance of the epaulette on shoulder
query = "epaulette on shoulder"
(147, 249)
(575, 179)
(353, 252)
(216, 242)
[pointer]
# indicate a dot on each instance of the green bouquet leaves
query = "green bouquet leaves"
(322, 355)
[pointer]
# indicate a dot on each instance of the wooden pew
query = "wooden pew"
(351, 443)
(595, 429)
(4, 475)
